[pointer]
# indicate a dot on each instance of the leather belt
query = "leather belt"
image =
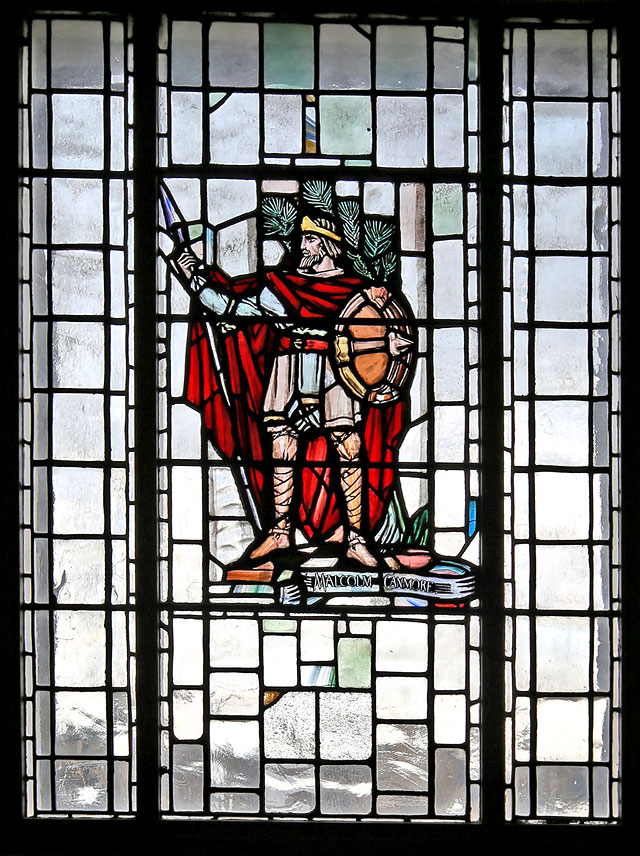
(287, 343)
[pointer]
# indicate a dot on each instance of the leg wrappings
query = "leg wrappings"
(283, 491)
(285, 442)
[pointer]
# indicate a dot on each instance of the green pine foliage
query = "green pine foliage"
(367, 240)
(349, 212)
(318, 194)
(389, 261)
(279, 216)
(377, 237)
(359, 265)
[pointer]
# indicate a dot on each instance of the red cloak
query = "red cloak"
(228, 389)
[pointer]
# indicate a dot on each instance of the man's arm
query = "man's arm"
(192, 275)
(218, 293)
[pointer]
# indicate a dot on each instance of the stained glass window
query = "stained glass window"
(562, 404)
(271, 450)
(347, 390)
(77, 418)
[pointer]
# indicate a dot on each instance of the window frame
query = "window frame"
(147, 830)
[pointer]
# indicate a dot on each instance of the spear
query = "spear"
(174, 221)
(177, 228)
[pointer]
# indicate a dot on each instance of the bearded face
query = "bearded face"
(312, 250)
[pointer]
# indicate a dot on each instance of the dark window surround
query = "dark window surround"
(146, 833)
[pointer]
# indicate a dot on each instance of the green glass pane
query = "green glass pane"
(279, 625)
(354, 662)
(345, 124)
(447, 209)
(288, 56)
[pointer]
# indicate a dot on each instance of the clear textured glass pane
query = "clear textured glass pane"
(234, 754)
(401, 131)
(79, 570)
(401, 757)
(77, 55)
(562, 729)
(77, 283)
(401, 54)
(560, 62)
(81, 785)
(188, 776)
(345, 725)
(238, 803)
(450, 665)
(379, 197)
(186, 483)
(448, 61)
(562, 505)
(563, 791)
(234, 694)
(450, 434)
(562, 653)
(234, 130)
(290, 726)
(450, 719)
(561, 288)
(79, 649)
(345, 789)
(401, 646)
(81, 723)
(78, 427)
(76, 210)
(188, 714)
(450, 775)
(187, 651)
(562, 433)
(448, 130)
(78, 131)
(283, 123)
(186, 127)
(401, 697)
(280, 661)
(234, 642)
(448, 285)
(187, 573)
(186, 53)
(560, 222)
(290, 788)
(78, 497)
(233, 54)
(448, 368)
(560, 138)
(561, 362)
(344, 58)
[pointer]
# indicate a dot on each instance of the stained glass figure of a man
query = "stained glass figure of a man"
(277, 333)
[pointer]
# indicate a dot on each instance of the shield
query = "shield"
(375, 348)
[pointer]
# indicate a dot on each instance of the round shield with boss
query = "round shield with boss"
(375, 348)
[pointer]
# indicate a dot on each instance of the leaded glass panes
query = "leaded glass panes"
(562, 499)
(304, 698)
(77, 401)
(335, 674)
